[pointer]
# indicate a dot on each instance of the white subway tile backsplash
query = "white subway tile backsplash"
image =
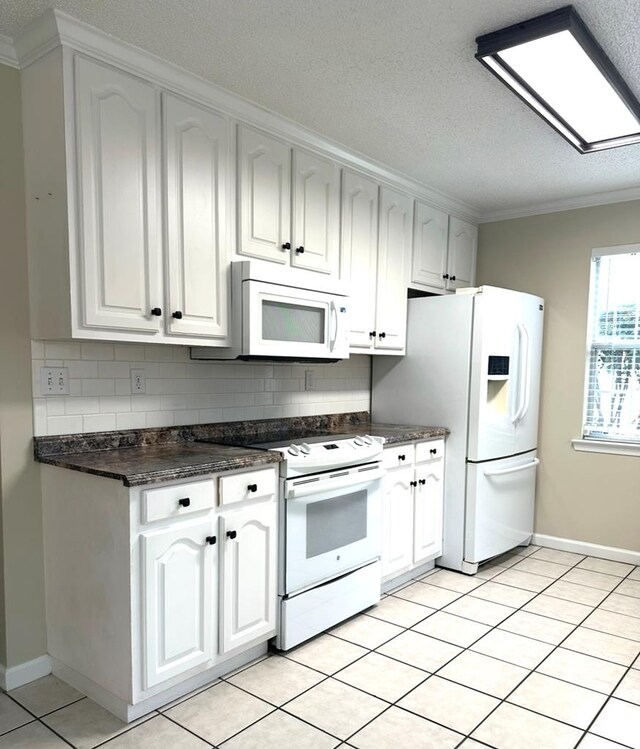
(160, 418)
(99, 422)
(82, 368)
(131, 420)
(123, 387)
(114, 404)
(128, 351)
(81, 405)
(98, 387)
(64, 424)
(98, 351)
(56, 350)
(180, 391)
(114, 369)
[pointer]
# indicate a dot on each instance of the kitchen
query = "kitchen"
(545, 253)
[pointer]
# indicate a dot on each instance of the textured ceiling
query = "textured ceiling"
(395, 80)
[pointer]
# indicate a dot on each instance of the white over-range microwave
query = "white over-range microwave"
(278, 313)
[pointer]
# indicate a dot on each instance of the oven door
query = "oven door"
(286, 321)
(332, 525)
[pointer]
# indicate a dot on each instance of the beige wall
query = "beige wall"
(585, 496)
(22, 620)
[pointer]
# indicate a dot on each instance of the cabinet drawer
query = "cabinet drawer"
(398, 455)
(431, 450)
(250, 485)
(178, 500)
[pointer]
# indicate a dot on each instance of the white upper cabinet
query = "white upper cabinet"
(196, 152)
(359, 253)
(264, 196)
(461, 259)
(118, 148)
(316, 212)
(429, 259)
(394, 253)
(289, 204)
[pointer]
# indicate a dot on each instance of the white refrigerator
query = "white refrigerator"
(473, 365)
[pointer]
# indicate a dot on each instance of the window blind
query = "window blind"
(612, 392)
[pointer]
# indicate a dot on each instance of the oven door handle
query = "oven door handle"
(330, 485)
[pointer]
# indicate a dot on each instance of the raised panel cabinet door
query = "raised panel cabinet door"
(359, 255)
(179, 597)
(249, 592)
(428, 511)
(196, 149)
(429, 257)
(316, 213)
(394, 253)
(118, 151)
(264, 196)
(461, 257)
(397, 521)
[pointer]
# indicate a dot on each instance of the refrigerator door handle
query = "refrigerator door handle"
(523, 373)
(526, 396)
(516, 469)
(518, 357)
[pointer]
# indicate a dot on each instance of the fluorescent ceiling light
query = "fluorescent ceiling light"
(554, 64)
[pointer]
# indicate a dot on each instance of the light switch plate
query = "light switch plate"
(54, 380)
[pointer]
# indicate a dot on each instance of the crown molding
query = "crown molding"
(8, 54)
(564, 204)
(56, 28)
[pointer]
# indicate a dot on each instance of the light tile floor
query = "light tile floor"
(539, 650)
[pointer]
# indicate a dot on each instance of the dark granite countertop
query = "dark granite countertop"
(146, 456)
(150, 464)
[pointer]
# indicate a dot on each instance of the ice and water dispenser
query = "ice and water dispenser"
(498, 385)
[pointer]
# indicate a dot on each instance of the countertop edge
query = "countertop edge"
(169, 474)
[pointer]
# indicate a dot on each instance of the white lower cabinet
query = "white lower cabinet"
(428, 511)
(397, 520)
(249, 592)
(412, 510)
(179, 595)
(153, 591)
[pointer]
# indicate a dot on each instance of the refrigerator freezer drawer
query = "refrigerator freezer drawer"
(500, 501)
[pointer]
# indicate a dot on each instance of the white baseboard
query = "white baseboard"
(582, 547)
(17, 676)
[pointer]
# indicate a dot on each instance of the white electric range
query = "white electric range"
(330, 534)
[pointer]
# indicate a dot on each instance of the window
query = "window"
(612, 392)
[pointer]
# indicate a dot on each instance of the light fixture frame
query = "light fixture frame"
(563, 19)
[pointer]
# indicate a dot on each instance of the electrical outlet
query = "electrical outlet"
(137, 381)
(310, 380)
(54, 380)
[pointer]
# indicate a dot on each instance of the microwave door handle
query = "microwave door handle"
(333, 316)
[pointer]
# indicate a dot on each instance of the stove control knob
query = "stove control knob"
(293, 450)
(305, 449)
(358, 441)
(368, 439)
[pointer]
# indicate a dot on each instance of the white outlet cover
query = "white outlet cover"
(309, 380)
(54, 380)
(138, 384)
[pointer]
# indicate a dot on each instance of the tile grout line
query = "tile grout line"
(428, 675)
(610, 695)
(504, 699)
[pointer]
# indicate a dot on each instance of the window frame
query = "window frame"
(601, 442)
